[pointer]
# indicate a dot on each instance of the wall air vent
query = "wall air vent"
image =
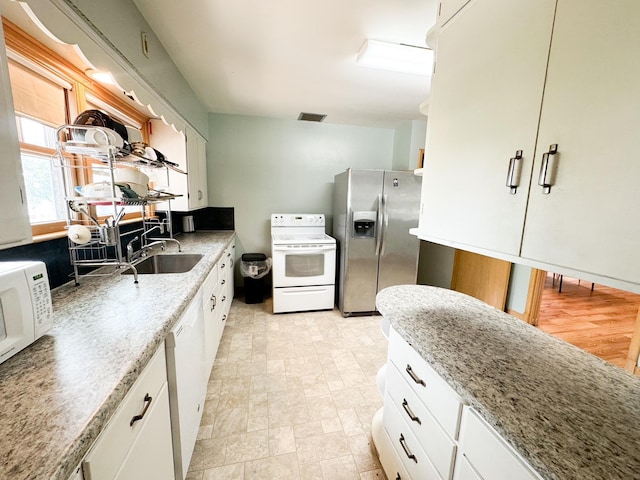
(311, 117)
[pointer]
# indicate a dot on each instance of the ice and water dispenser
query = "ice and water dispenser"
(364, 224)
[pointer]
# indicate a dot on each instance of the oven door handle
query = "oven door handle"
(305, 250)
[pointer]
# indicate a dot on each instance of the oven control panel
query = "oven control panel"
(297, 220)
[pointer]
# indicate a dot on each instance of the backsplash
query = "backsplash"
(55, 253)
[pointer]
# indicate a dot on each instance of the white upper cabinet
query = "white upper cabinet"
(448, 8)
(591, 110)
(522, 76)
(485, 105)
(197, 165)
(14, 215)
(188, 150)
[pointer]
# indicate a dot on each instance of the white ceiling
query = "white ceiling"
(277, 58)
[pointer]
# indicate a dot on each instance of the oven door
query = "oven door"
(303, 265)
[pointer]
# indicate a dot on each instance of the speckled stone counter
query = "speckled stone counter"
(568, 413)
(57, 394)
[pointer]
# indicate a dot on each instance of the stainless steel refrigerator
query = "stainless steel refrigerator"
(373, 211)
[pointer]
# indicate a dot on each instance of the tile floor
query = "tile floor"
(291, 396)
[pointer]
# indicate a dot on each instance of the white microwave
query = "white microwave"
(26, 312)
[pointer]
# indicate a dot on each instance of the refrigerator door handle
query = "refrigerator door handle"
(379, 226)
(385, 222)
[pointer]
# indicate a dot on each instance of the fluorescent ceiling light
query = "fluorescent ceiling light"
(396, 57)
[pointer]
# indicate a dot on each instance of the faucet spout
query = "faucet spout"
(130, 251)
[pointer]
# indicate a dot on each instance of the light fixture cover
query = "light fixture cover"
(396, 57)
(103, 77)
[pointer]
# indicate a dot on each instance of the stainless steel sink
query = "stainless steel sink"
(166, 263)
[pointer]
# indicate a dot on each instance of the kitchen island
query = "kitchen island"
(59, 393)
(567, 413)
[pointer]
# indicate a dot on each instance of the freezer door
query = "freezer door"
(359, 285)
(400, 211)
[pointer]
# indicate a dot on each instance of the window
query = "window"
(49, 92)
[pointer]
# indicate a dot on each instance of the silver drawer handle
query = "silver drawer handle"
(414, 377)
(407, 452)
(405, 405)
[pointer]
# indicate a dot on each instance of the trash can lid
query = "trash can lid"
(253, 257)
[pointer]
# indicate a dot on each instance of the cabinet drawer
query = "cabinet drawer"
(489, 455)
(437, 395)
(387, 454)
(432, 438)
(406, 446)
(111, 447)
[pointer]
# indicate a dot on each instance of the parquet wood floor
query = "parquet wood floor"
(600, 322)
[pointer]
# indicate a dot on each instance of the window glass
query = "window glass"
(48, 92)
(43, 184)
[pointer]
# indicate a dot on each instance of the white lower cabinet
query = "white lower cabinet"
(485, 454)
(226, 279)
(464, 470)
(136, 443)
(211, 308)
(425, 432)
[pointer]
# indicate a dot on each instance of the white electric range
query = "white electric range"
(304, 263)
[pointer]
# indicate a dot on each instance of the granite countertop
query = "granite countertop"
(58, 393)
(570, 414)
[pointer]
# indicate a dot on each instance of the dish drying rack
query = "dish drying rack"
(95, 241)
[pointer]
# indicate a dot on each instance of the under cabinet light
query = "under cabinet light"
(100, 76)
(397, 57)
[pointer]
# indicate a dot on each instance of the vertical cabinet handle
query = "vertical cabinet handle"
(407, 409)
(405, 447)
(213, 302)
(545, 180)
(414, 377)
(147, 403)
(513, 174)
(398, 477)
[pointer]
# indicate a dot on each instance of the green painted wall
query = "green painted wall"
(262, 166)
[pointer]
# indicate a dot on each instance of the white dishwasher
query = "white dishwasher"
(187, 384)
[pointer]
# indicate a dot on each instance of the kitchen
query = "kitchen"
(239, 183)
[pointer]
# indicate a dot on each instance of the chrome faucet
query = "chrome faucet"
(130, 251)
(151, 230)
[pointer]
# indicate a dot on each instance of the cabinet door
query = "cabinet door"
(172, 144)
(14, 211)
(131, 421)
(151, 454)
(487, 91)
(591, 102)
(197, 170)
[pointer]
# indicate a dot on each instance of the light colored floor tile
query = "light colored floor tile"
(247, 446)
(208, 453)
(377, 474)
(227, 472)
(363, 452)
(230, 421)
(331, 425)
(281, 441)
(322, 447)
(340, 468)
(291, 397)
(279, 467)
